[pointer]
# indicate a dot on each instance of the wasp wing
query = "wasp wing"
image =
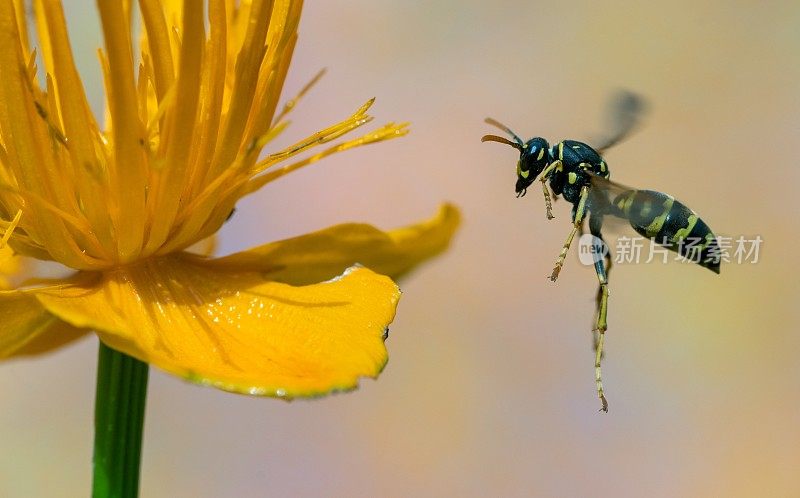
(607, 204)
(605, 196)
(624, 113)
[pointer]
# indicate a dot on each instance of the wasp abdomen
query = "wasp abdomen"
(670, 223)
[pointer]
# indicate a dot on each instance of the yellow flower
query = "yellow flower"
(185, 126)
(9, 266)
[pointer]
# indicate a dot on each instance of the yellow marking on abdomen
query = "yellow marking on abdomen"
(625, 203)
(645, 209)
(709, 239)
(655, 226)
(684, 232)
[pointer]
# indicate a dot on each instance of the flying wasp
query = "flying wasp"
(577, 172)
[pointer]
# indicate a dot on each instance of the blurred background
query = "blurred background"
(489, 389)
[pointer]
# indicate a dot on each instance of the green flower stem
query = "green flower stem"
(118, 421)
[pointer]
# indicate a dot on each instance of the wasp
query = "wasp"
(577, 172)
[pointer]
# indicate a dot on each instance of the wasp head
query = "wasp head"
(533, 158)
(533, 155)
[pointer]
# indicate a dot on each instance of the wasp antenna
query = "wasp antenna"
(495, 138)
(505, 128)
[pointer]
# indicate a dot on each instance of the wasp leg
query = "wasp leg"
(543, 178)
(577, 218)
(594, 227)
(547, 203)
(601, 266)
(600, 329)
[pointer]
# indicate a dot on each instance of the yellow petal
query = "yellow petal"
(11, 265)
(324, 254)
(205, 247)
(235, 330)
(28, 328)
(57, 335)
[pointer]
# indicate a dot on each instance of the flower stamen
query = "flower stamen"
(289, 106)
(12, 225)
(386, 132)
